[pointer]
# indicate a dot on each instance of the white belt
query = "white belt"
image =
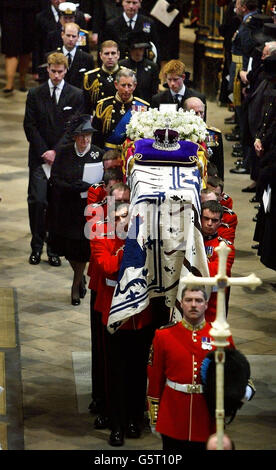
(185, 388)
(110, 282)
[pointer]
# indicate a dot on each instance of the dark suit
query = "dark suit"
(81, 64)
(166, 97)
(44, 125)
(118, 30)
(54, 41)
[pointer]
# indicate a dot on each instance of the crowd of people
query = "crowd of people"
(250, 63)
(75, 119)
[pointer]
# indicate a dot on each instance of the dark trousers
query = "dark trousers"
(99, 375)
(170, 444)
(128, 352)
(37, 205)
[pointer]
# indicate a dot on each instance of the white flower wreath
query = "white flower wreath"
(188, 125)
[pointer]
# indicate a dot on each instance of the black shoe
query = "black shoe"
(101, 422)
(82, 289)
(237, 147)
(255, 247)
(240, 171)
(54, 260)
(7, 91)
(234, 137)
(249, 190)
(237, 154)
(133, 432)
(257, 207)
(230, 120)
(34, 257)
(116, 437)
(74, 300)
(255, 218)
(253, 199)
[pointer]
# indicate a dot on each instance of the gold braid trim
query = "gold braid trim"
(94, 88)
(153, 404)
(105, 116)
(237, 86)
(126, 146)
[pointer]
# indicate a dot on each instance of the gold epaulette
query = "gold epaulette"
(153, 410)
(104, 99)
(169, 325)
(214, 129)
(84, 31)
(142, 101)
(92, 71)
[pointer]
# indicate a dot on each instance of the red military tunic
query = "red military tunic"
(107, 253)
(96, 211)
(229, 224)
(177, 353)
(226, 201)
(210, 244)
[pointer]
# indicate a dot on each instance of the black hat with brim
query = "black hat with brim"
(137, 40)
(81, 125)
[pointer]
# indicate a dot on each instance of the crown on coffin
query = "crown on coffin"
(166, 139)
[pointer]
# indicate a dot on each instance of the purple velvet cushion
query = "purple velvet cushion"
(145, 154)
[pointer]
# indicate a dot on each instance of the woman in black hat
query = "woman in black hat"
(67, 203)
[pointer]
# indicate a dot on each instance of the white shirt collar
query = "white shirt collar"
(55, 13)
(59, 86)
(72, 52)
(81, 154)
(181, 91)
(127, 19)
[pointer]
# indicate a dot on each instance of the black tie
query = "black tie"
(54, 96)
(130, 24)
(69, 60)
(176, 98)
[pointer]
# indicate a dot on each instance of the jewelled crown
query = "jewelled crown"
(166, 139)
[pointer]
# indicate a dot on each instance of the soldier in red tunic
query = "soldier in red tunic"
(211, 216)
(125, 352)
(177, 405)
(229, 222)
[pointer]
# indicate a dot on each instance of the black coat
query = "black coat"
(118, 30)
(81, 64)
(147, 73)
(165, 97)
(44, 124)
(54, 41)
(66, 181)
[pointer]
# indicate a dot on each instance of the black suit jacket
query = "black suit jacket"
(54, 41)
(44, 124)
(82, 63)
(118, 30)
(165, 97)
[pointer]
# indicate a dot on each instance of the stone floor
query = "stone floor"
(49, 409)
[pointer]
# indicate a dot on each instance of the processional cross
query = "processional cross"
(220, 328)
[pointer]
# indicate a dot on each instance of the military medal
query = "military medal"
(206, 343)
(110, 79)
(122, 110)
(209, 251)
